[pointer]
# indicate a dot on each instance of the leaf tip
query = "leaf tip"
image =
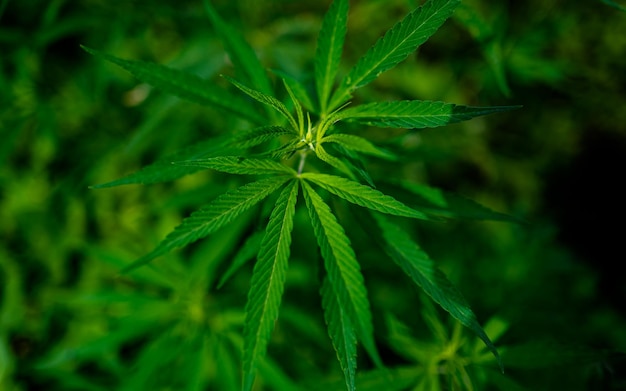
(87, 49)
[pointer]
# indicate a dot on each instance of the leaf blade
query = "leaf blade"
(257, 136)
(436, 201)
(397, 43)
(239, 165)
(422, 270)
(163, 170)
(266, 100)
(268, 279)
(341, 332)
(333, 161)
(415, 114)
(207, 220)
(240, 52)
(358, 144)
(362, 195)
(184, 85)
(329, 47)
(342, 268)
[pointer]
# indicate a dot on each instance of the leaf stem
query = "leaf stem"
(302, 160)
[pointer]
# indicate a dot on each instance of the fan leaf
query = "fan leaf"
(210, 218)
(341, 332)
(343, 271)
(184, 85)
(422, 270)
(163, 170)
(333, 161)
(362, 195)
(240, 53)
(266, 100)
(438, 202)
(240, 165)
(301, 90)
(411, 114)
(358, 144)
(268, 279)
(328, 52)
(397, 43)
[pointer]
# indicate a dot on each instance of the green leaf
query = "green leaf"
(436, 201)
(240, 165)
(241, 54)
(266, 100)
(341, 332)
(358, 144)
(210, 218)
(298, 108)
(163, 170)
(268, 279)
(285, 151)
(329, 46)
(362, 195)
(354, 162)
(343, 271)
(412, 114)
(339, 164)
(301, 90)
(184, 85)
(422, 270)
(254, 137)
(397, 43)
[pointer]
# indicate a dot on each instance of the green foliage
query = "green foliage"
(346, 306)
(397, 43)
(414, 114)
(268, 279)
(332, 221)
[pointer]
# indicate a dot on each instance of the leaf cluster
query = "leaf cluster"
(300, 156)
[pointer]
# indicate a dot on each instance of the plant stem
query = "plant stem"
(302, 160)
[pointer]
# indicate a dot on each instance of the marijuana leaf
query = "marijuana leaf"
(266, 100)
(358, 144)
(341, 331)
(417, 265)
(362, 195)
(267, 284)
(343, 271)
(415, 113)
(210, 218)
(240, 53)
(329, 46)
(397, 43)
(184, 85)
(240, 165)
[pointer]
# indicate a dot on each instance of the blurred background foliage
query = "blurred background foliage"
(550, 293)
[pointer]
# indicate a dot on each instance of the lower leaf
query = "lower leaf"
(268, 279)
(417, 265)
(341, 332)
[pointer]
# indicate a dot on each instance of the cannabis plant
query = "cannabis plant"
(299, 141)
